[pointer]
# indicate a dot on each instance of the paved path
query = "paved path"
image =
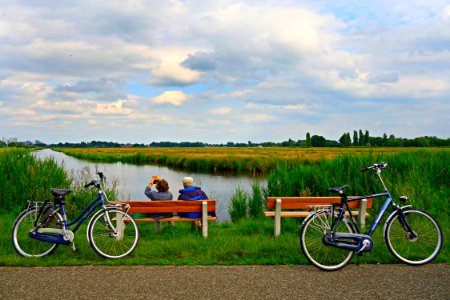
(226, 282)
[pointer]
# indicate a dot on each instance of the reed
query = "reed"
(212, 159)
(22, 176)
(238, 205)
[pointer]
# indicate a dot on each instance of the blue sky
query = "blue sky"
(219, 71)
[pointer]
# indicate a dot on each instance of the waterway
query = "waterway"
(132, 179)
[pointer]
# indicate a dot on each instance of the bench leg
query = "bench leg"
(158, 226)
(120, 225)
(277, 218)
(362, 213)
(205, 219)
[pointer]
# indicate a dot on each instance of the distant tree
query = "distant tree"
(230, 144)
(361, 138)
(288, 143)
(318, 141)
(308, 140)
(2, 144)
(355, 138)
(366, 138)
(345, 140)
(384, 136)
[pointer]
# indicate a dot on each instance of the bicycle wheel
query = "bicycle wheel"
(411, 250)
(324, 257)
(23, 243)
(116, 239)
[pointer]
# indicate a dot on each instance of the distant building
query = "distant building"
(12, 140)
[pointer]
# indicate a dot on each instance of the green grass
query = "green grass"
(247, 242)
(422, 175)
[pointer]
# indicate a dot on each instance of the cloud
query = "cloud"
(175, 98)
(275, 66)
(221, 111)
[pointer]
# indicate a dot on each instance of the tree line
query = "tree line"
(357, 139)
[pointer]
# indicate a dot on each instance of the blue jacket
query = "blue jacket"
(191, 194)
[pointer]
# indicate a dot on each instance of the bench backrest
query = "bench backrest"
(305, 202)
(155, 206)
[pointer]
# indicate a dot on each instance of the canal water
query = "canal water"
(132, 179)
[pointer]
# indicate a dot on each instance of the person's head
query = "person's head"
(187, 182)
(162, 185)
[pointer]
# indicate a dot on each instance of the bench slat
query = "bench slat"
(305, 202)
(301, 214)
(151, 206)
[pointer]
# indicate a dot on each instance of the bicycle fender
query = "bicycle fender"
(391, 216)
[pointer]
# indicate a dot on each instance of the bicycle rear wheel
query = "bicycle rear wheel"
(116, 239)
(324, 257)
(23, 243)
(418, 250)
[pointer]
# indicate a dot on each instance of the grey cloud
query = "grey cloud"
(200, 61)
(383, 77)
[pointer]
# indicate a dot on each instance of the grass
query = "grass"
(422, 175)
(247, 242)
(214, 159)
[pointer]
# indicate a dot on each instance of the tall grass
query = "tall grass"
(256, 202)
(22, 176)
(238, 205)
(212, 159)
(422, 175)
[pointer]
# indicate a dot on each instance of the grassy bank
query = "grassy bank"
(422, 175)
(219, 158)
(247, 242)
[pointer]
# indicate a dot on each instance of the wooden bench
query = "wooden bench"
(296, 207)
(204, 207)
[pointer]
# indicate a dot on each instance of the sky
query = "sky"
(221, 71)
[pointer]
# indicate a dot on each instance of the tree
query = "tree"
(355, 138)
(345, 140)
(366, 138)
(318, 141)
(308, 140)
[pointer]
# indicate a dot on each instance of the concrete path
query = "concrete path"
(226, 282)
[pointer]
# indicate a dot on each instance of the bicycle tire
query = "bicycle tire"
(414, 251)
(108, 243)
(23, 243)
(324, 257)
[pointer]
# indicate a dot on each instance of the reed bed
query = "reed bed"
(212, 159)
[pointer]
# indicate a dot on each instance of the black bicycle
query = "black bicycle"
(329, 239)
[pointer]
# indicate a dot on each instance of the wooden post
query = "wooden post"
(277, 218)
(120, 225)
(362, 213)
(205, 219)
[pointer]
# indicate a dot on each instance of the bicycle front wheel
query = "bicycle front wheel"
(23, 243)
(417, 249)
(324, 257)
(113, 233)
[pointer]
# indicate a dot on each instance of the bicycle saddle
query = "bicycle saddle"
(60, 192)
(338, 189)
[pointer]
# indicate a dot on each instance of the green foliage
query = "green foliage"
(256, 202)
(238, 205)
(421, 175)
(22, 176)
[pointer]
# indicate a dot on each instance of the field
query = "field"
(211, 159)
(422, 175)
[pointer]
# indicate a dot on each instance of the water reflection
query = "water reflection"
(133, 179)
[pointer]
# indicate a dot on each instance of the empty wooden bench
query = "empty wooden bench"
(297, 207)
(205, 207)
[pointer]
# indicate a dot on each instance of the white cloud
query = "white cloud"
(175, 98)
(221, 111)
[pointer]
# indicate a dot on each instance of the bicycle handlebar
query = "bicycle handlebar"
(379, 166)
